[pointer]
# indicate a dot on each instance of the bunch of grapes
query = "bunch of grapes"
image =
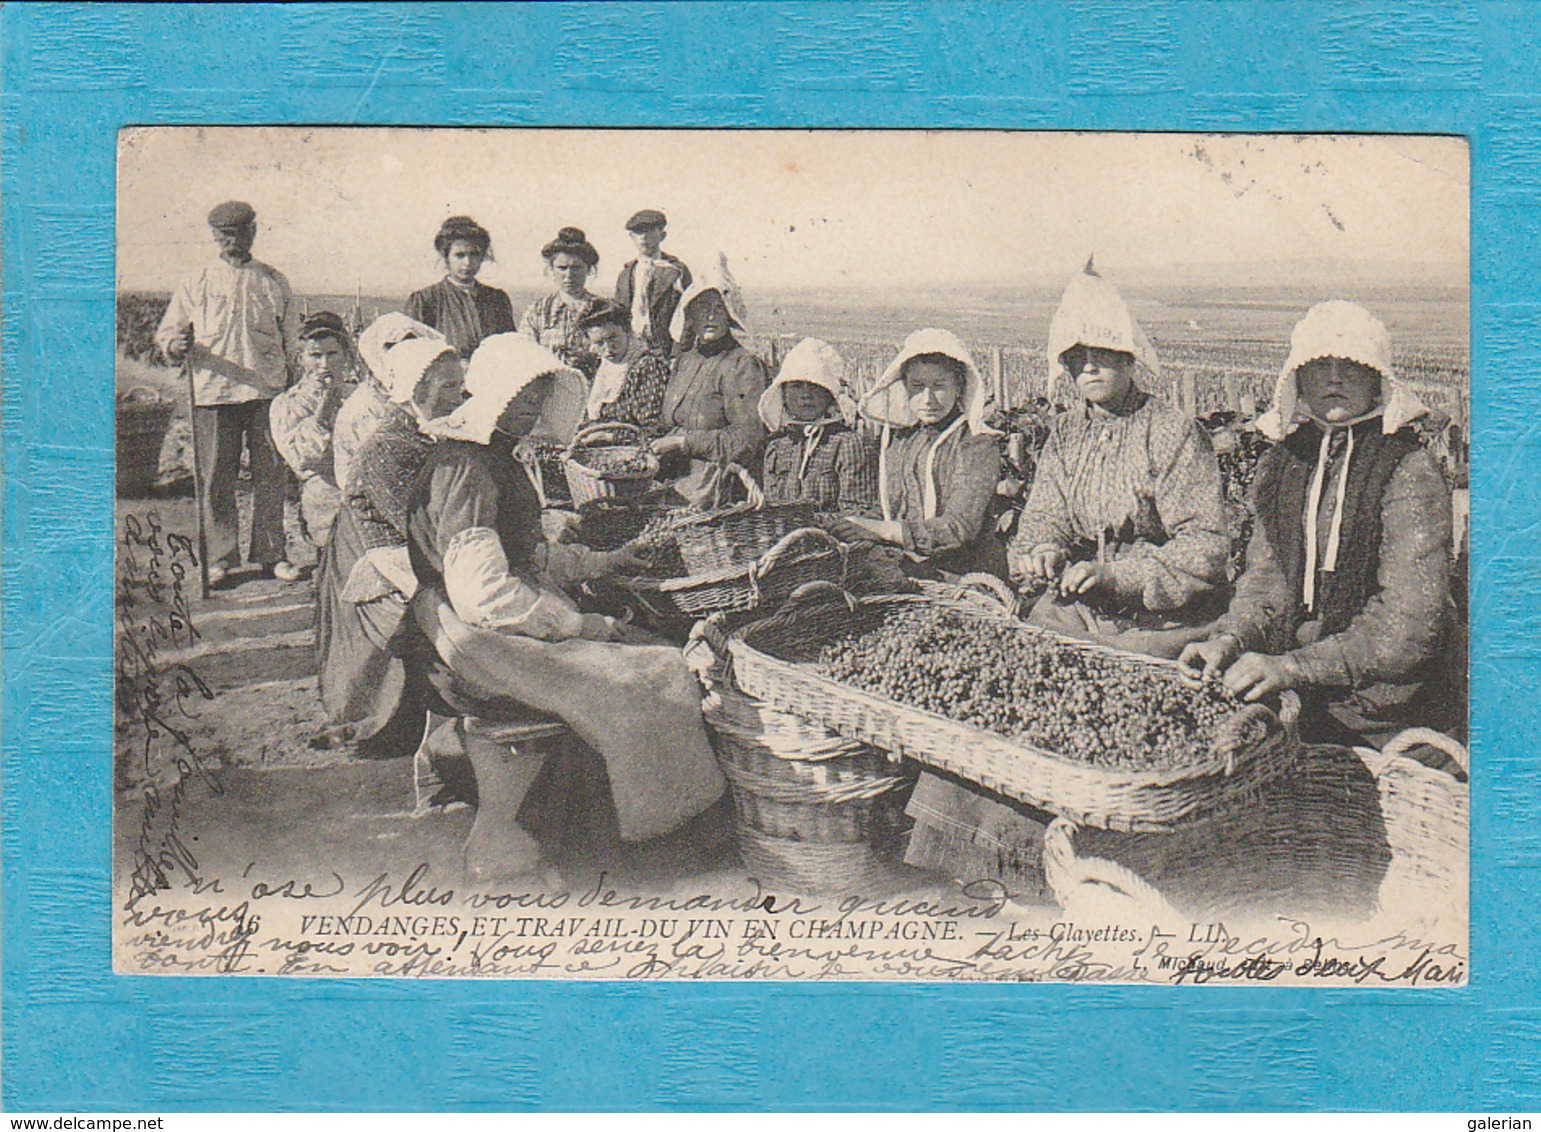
(605, 526)
(1238, 451)
(1093, 707)
(616, 461)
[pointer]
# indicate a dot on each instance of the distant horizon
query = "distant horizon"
(800, 210)
(1238, 275)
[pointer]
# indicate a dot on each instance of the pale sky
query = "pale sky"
(792, 209)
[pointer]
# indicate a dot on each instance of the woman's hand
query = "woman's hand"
(1206, 660)
(1085, 578)
(884, 530)
(671, 445)
(1256, 675)
(632, 558)
(598, 627)
(1043, 564)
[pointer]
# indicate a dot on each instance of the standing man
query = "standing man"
(650, 286)
(233, 321)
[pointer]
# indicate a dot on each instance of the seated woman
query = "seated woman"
(553, 319)
(364, 579)
(302, 418)
(496, 637)
(938, 464)
(815, 454)
(460, 307)
(630, 381)
(1346, 591)
(711, 407)
(1125, 522)
(369, 404)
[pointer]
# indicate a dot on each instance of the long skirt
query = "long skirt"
(364, 686)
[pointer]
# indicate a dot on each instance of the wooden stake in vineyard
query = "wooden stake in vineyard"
(198, 485)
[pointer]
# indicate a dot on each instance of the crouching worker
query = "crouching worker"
(1346, 592)
(498, 639)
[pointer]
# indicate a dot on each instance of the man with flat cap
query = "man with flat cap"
(234, 322)
(650, 286)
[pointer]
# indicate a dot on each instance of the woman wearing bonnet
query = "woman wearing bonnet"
(938, 463)
(711, 406)
(369, 404)
(498, 639)
(1346, 591)
(1124, 527)
(364, 579)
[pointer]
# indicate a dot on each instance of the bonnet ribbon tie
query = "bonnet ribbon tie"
(1329, 562)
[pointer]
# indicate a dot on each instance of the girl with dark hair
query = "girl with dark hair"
(630, 381)
(458, 306)
(553, 319)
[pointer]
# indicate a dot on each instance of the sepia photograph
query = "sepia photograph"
(913, 556)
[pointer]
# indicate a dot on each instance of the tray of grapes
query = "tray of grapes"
(1099, 736)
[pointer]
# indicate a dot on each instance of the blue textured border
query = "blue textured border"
(77, 1037)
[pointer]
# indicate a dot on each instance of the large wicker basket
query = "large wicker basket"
(771, 662)
(1347, 835)
(608, 440)
(734, 535)
(815, 812)
(801, 556)
(143, 418)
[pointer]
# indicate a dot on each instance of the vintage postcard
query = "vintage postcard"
(792, 555)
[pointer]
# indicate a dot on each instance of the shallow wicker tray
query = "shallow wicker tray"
(1132, 800)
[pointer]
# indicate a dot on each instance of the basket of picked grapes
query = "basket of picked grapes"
(609, 460)
(1097, 735)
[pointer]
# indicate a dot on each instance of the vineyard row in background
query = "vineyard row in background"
(1201, 378)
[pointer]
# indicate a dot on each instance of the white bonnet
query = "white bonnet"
(1092, 313)
(499, 369)
(407, 362)
(887, 403)
(817, 363)
(717, 278)
(1339, 329)
(386, 331)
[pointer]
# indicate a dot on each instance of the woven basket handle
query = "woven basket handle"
(1065, 872)
(139, 393)
(791, 541)
(988, 585)
(811, 593)
(1405, 741)
(623, 431)
(755, 496)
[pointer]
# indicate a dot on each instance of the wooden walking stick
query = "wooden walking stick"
(198, 489)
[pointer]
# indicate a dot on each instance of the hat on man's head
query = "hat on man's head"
(324, 324)
(647, 218)
(231, 214)
(606, 313)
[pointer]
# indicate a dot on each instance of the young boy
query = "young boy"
(303, 417)
(650, 286)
